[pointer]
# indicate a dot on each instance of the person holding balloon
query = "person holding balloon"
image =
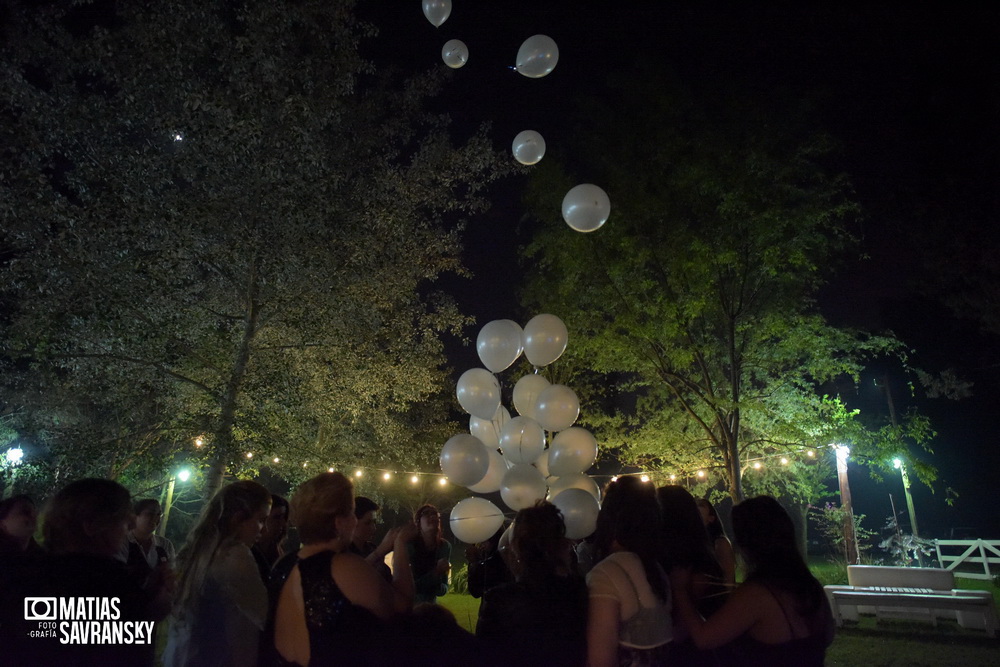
(430, 556)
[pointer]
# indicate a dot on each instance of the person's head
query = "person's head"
(684, 536)
(539, 541)
(18, 519)
(323, 509)
(88, 516)
(147, 516)
(365, 510)
(629, 521)
(428, 521)
(765, 539)
(710, 518)
(763, 531)
(276, 524)
(235, 514)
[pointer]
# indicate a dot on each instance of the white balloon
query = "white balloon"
(455, 53)
(528, 147)
(494, 476)
(579, 510)
(586, 207)
(537, 56)
(545, 339)
(488, 430)
(437, 11)
(542, 463)
(526, 391)
(499, 344)
(522, 486)
(475, 520)
(574, 481)
(522, 440)
(557, 407)
(573, 450)
(464, 459)
(479, 393)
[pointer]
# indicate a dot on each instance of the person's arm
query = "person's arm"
(384, 548)
(602, 632)
(737, 616)
(726, 557)
(402, 575)
(240, 578)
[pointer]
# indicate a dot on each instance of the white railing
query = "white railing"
(979, 553)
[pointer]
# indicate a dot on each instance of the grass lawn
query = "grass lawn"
(887, 643)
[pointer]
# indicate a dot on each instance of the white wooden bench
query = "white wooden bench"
(912, 593)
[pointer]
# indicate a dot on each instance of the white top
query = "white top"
(230, 613)
(644, 620)
(151, 556)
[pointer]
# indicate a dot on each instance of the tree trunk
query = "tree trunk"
(223, 445)
(735, 473)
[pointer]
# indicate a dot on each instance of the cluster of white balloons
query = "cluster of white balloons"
(509, 454)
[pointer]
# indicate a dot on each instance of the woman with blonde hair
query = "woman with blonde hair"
(221, 602)
(329, 604)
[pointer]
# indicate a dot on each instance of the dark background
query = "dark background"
(912, 97)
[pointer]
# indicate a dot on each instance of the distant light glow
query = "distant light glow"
(897, 463)
(810, 453)
(329, 469)
(198, 442)
(701, 473)
(644, 478)
(277, 460)
(387, 477)
(14, 455)
(178, 137)
(615, 478)
(358, 473)
(184, 475)
(414, 479)
(784, 461)
(756, 465)
(673, 477)
(305, 464)
(249, 455)
(443, 481)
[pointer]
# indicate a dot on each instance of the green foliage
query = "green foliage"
(221, 222)
(831, 520)
(460, 580)
(692, 311)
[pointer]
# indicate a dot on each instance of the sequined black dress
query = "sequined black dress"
(340, 632)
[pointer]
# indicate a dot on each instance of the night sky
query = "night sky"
(912, 98)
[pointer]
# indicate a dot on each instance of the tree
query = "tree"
(696, 303)
(220, 222)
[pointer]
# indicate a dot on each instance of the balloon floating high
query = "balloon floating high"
(545, 339)
(437, 11)
(528, 147)
(586, 207)
(455, 53)
(499, 344)
(537, 56)
(475, 520)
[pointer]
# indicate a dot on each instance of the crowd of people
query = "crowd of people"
(654, 585)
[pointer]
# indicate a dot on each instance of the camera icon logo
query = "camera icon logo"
(40, 609)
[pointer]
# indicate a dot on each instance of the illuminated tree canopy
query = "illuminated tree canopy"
(693, 311)
(219, 220)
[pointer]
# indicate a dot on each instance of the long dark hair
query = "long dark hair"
(765, 538)
(714, 527)
(540, 543)
(685, 539)
(630, 516)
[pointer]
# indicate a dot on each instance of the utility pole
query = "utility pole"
(898, 463)
(850, 535)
